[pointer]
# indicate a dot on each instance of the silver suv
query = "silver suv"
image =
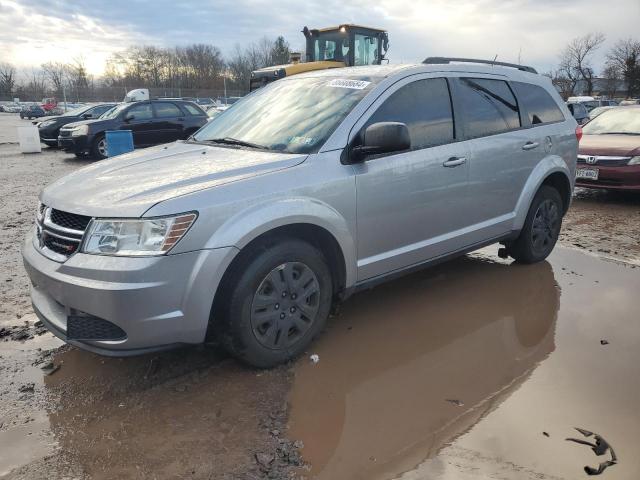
(302, 193)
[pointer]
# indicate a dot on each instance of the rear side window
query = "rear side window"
(192, 109)
(539, 105)
(425, 107)
(488, 107)
(166, 110)
(577, 110)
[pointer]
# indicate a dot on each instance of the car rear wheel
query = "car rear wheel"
(277, 300)
(99, 148)
(541, 228)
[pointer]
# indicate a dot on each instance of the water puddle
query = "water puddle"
(24, 424)
(476, 369)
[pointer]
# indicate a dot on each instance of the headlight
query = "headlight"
(79, 130)
(134, 237)
(634, 161)
(46, 123)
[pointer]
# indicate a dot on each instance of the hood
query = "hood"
(128, 185)
(56, 118)
(614, 145)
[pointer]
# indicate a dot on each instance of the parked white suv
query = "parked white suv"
(300, 194)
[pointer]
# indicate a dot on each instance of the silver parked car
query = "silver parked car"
(302, 193)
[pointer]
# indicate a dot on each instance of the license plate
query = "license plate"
(588, 173)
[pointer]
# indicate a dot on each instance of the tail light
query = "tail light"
(579, 132)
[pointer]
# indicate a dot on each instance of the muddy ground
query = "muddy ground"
(473, 369)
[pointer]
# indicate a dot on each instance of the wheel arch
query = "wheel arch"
(551, 171)
(561, 183)
(307, 219)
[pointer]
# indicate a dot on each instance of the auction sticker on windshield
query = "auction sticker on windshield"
(345, 83)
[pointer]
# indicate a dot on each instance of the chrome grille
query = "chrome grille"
(603, 160)
(70, 220)
(59, 233)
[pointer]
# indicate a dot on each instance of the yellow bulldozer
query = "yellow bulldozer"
(334, 47)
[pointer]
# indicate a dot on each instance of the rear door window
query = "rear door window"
(141, 112)
(488, 107)
(425, 107)
(538, 104)
(167, 110)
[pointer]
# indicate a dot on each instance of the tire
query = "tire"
(263, 319)
(541, 227)
(99, 148)
(51, 144)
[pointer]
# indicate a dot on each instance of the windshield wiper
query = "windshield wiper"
(235, 141)
(620, 133)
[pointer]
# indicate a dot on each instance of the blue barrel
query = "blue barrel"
(118, 142)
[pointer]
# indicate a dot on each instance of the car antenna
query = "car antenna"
(494, 60)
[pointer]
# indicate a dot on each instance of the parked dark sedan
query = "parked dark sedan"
(152, 122)
(49, 129)
(32, 111)
(609, 154)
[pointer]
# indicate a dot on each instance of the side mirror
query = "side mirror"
(87, 115)
(128, 117)
(382, 137)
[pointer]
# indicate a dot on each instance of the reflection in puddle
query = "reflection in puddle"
(379, 400)
(476, 370)
(178, 414)
(24, 424)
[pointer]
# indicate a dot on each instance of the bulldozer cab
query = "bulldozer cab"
(342, 46)
(353, 45)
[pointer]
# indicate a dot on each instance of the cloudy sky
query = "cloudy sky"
(35, 31)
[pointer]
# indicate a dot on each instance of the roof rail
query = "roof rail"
(441, 60)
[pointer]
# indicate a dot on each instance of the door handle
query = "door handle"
(530, 145)
(454, 162)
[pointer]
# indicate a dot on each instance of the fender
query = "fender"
(248, 224)
(546, 167)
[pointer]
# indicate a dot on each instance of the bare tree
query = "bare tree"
(564, 84)
(7, 79)
(624, 57)
(36, 87)
(611, 75)
(575, 60)
(280, 51)
(79, 78)
(55, 73)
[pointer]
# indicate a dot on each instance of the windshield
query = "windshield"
(295, 116)
(624, 121)
(76, 112)
(115, 111)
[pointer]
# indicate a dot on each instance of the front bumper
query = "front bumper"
(625, 177)
(159, 302)
(79, 144)
(48, 134)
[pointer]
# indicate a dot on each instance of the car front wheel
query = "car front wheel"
(99, 148)
(541, 228)
(277, 300)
